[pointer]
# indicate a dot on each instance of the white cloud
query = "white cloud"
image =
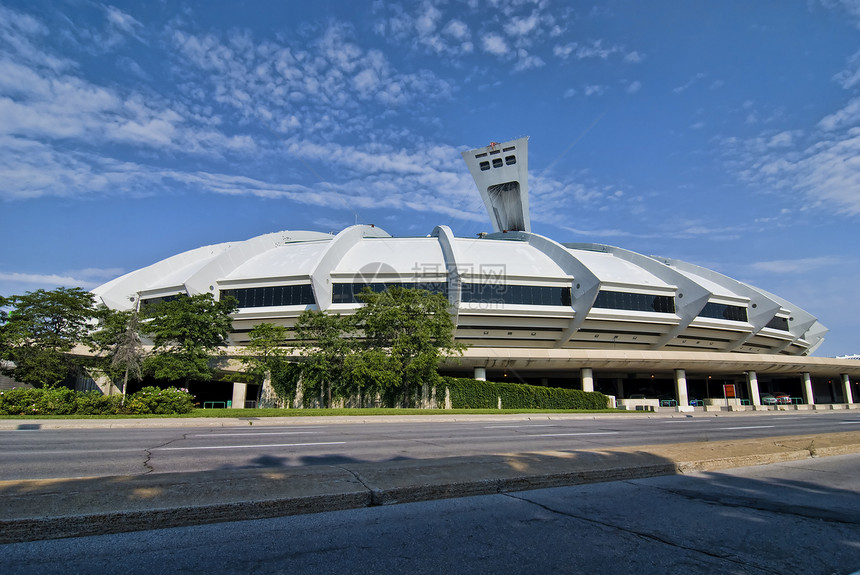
(495, 44)
(521, 26)
(457, 29)
(847, 116)
(850, 76)
(689, 83)
(14, 283)
(634, 87)
(800, 265)
(593, 49)
(526, 61)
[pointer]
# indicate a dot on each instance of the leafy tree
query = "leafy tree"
(39, 331)
(119, 336)
(372, 371)
(266, 358)
(414, 328)
(324, 341)
(186, 332)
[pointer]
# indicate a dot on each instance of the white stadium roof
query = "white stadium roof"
(509, 289)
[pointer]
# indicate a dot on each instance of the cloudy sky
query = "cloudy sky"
(722, 133)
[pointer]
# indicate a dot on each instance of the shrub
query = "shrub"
(19, 401)
(160, 401)
(94, 403)
(476, 394)
(57, 401)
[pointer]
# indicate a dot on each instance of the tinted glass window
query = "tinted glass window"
(635, 301)
(779, 323)
(272, 296)
(722, 311)
(515, 294)
(349, 293)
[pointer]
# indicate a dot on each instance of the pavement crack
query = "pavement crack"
(776, 507)
(376, 495)
(643, 535)
(148, 451)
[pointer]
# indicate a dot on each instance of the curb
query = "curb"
(50, 509)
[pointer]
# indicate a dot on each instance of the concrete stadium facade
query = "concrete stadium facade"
(529, 308)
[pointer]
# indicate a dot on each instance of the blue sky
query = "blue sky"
(722, 133)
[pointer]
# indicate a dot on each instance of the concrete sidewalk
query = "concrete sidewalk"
(47, 509)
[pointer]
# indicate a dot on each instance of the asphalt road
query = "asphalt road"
(801, 517)
(35, 453)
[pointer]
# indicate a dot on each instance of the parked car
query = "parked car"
(782, 398)
(767, 399)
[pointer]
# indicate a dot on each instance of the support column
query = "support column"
(846, 388)
(480, 374)
(807, 389)
(587, 379)
(240, 390)
(681, 387)
(752, 385)
(619, 387)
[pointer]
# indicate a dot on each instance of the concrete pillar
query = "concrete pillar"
(619, 387)
(480, 374)
(587, 379)
(240, 390)
(752, 385)
(807, 389)
(846, 388)
(681, 387)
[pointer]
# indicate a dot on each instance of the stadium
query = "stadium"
(529, 308)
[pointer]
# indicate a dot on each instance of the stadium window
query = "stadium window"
(272, 296)
(723, 311)
(351, 293)
(515, 294)
(485, 166)
(635, 302)
(780, 323)
(510, 160)
(497, 162)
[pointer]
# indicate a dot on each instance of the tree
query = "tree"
(186, 333)
(414, 328)
(266, 359)
(324, 341)
(39, 331)
(119, 336)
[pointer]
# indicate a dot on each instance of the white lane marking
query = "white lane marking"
(512, 426)
(747, 427)
(848, 422)
(251, 433)
(247, 446)
(572, 434)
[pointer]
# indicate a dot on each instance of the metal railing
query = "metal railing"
(214, 404)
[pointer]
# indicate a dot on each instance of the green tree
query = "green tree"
(39, 331)
(266, 359)
(414, 328)
(186, 333)
(118, 338)
(325, 341)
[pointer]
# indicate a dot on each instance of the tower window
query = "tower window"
(510, 160)
(497, 162)
(485, 166)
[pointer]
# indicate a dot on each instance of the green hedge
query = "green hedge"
(65, 401)
(476, 394)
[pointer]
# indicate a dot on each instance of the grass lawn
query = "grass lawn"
(273, 412)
